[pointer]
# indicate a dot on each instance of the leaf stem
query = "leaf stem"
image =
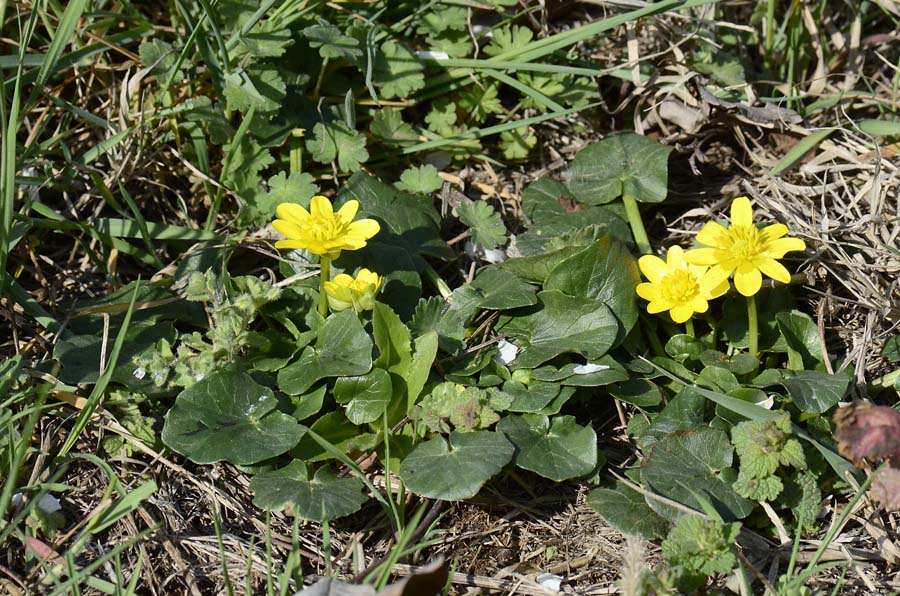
(297, 150)
(753, 326)
(321, 78)
(324, 275)
(438, 281)
(637, 224)
(689, 327)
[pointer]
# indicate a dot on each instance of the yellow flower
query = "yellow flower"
(346, 292)
(320, 230)
(677, 286)
(744, 250)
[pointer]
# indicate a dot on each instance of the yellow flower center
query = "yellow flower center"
(744, 242)
(679, 287)
(324, 229)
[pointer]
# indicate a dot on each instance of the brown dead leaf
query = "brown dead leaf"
(885, 489)
(867, 432)
(426, 581)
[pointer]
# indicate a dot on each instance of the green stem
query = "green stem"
(689, 327)
(438, 281)
(324, 275)
(637, 224)
(297, 150)
(321, 78)
(753, 326)
(770, 31)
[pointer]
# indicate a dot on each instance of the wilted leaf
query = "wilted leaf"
(885, 488)
(867, 432)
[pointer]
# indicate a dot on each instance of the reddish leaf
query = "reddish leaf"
(885, 488)
(867, 432)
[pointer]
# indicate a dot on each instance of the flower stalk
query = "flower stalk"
(637, 224)
(753, 326)
(324, 277)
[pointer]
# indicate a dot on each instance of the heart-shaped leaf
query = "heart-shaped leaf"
(604, 271)
(343, 348)
(229, 416)
(801, 334)
(814, 391)
(622, 164)
(337, 430)
(559, 451)
(320, 498)
(366, 395)
(502, 289)
(562, 324)
(458, 469)
(695, 461)
(626, 510)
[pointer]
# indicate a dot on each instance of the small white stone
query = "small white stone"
(550, 581)
(508, 351)
(432, 55)
(586, 369)
(49, 504)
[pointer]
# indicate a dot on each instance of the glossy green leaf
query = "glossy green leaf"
(229, 417)
(637, 392)
(814, 391)
(320, 498)
(335, 428)
(626, 510)
(604, 271)
(558, 451)
(532, 397)
(343, 348)
(561, 324)
(366, 395)
(801, 334)
(501, 289)
(621, 164)
(696, 461)
(457, 469)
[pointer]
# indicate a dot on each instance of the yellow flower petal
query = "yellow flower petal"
(777, 248)
(320, 207)
(658, 307)
(675, 256)
(701, 256)
(699, 304)
(291, 244)
(741, 212)
(681, 313)
(716, 276)
(775, 270)
(363, 228)
(287, 227)
(653, 267)
(773, 232)
(648, 291)
(348, 211)
(712, 234)
(292, 212)
(747, 280)
(709, 288)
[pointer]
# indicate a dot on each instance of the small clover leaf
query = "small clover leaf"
(337, 141)
(423, 179)
(485, 225)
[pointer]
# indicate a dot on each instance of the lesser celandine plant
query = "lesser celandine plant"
(357, 292)
(323, 232)
(746, 251)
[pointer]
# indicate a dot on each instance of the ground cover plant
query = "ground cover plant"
(299, 289)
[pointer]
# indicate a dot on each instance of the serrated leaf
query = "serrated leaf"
(512, 38)
(228, 416)
(442, 117)
(321, 498)
(161, 57)
(454, 43)
(457, 469)
(297, 188)
(423, 179)
(331, 42)
(559, 451)
(262, 89)
(481, 101)
(388, 125)
(621, 164)
(440, 18)
(517, 143)
(336, 141)
(485, 225)
(397, 71)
